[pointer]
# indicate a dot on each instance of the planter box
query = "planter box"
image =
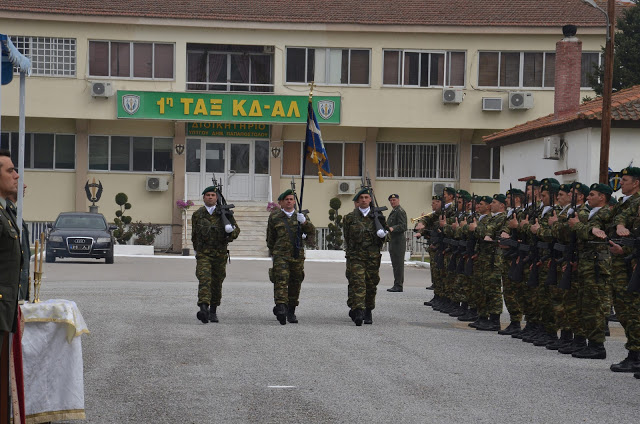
(132, 250)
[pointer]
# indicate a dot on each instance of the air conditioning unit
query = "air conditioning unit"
(552, 148)
(438, 187)
(346, 187)
(520, 100)
(101, 89)
(492, 104)
(452, 95)
(157, 184)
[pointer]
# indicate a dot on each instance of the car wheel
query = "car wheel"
(108, 259)
(49, 258)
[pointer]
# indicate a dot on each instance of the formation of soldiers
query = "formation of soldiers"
(560, 255)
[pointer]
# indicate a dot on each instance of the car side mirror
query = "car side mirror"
(112, 227)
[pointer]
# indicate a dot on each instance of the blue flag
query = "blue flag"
(314, 147)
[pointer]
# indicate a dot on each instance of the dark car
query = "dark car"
(80, 235)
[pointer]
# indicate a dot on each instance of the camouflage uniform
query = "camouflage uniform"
(547, 296)
(627, 305)
(363, 258)
(210, 243)
(287, 273)
(511, 291)
(430, 223)
(488, 274)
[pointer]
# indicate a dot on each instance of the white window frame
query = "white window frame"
(350, 177)
(130, 171)
(438, 172)
(447, 67)
(327, 65)
(131, 59)
(230, 84)
(36, 66)
(30, 141)
(493, 178)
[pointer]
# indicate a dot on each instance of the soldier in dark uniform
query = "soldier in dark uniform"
(210, 237)
(363, 243)
(397, 223)
(285, 231)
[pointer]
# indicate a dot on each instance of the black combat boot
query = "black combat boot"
(492, 324)
(368, 318)
(528, 328)
(459, 311)
(281, 313)
(535, 332)
(629, 364)
(203, 313)
(566, 336)
(358, 315)
(470, 316)
(212, 313)
(512, 328)
(478, 322)
(352, 313)
(546, 339)
(291, 314)
(395, 289)
(579, 342)
(593, 350)
(637, 375)
(430, 302)
(449, 306)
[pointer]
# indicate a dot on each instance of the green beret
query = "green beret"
(464, 194)
(450, 190)
(565, 187)
(361, 192)
(209, 189)
(613, 201)
(486, 199)
(632, 171)
(515, 191)
(549, 180)
(534, 183)
(393, 196)
(550, 187)
(435, 197)
(500, 198)
(285, 194)
(478, 198)
(601, 188)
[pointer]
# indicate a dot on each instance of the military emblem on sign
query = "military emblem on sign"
(326, 108)
(615, 178)
(131, 103)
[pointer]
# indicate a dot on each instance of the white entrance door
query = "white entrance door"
(239, 171)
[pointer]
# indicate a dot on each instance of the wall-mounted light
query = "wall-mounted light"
(275, 151)
(179, 149)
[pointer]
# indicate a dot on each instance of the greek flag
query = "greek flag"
(314, 147)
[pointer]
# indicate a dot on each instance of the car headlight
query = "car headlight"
(56, 239)
(103, 240)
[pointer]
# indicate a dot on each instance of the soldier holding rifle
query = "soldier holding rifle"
(213, 227)
(424, 228)
(286, 230)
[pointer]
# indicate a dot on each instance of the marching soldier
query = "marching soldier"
(397, 223)
(286, 230)
(363, 243)
(210, 237)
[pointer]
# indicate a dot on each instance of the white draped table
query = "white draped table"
(52, 361)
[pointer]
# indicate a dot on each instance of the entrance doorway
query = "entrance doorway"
(240, 165)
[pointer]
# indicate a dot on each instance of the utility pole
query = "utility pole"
(607, 88)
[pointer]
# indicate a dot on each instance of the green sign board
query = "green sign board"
(221, 129)
(221, 107)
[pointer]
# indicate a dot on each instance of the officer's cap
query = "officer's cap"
(285, 194)
(360, 193)
(500, 198)
(393, 196)
(210, 189)
(601, 188)
(632, 171)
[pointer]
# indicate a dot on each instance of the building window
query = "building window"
(345, 159)
(410, 68)
(417, 161)
(229, 68)
(131, 59)
(485, 162)
(50, 56)
(125, 153)
(328, 66)
(42, 151)
(526, 69)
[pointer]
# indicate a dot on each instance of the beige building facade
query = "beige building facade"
(411, 105)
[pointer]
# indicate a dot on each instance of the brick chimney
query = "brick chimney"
(568, 70)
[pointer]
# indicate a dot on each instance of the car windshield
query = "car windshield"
(87, 222)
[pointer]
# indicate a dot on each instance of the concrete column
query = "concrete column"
(275, 163)
(82, 163)
(179, 175)
(370, 159)
(466, 135)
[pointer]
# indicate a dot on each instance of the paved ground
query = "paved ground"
(149, 360)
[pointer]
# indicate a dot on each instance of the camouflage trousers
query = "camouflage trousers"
(363, 276)
(488, 277)
(592, 294)
(544, 301)
(529, 299)
(511, 291)
(570, 307)
(435, 273)
(211, 269)
(286, 275)
(627, 306)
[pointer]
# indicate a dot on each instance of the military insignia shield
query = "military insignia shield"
(615, 178)
(326, 108)
(131, 103)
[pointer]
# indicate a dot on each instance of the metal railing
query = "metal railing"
(414, 245)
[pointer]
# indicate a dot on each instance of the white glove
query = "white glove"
(381, 233)
(304, 237)
(228, 228)
(301, 218)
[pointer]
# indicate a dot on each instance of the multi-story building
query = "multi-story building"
(152, 99)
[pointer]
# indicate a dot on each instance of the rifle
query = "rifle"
(297, 207)
(634, 281)
(569, 251)
(534, 253)
(223, 208)
(552, 275)
(470, 245)
(378, 217)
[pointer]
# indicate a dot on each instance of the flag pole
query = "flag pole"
(304, 153)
